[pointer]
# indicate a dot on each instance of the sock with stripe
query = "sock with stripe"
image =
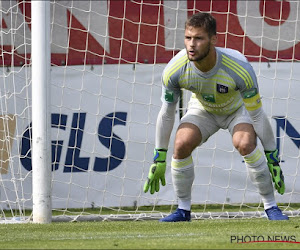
(182, 171)
(260, 176)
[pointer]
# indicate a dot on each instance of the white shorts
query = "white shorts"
(209, 123)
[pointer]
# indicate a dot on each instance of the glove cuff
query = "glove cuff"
(160, 155)
(272, 156)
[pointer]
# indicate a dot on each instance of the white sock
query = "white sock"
(260, 176)
(183, 176)
(184, 204)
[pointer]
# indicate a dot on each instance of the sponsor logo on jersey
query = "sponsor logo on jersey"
(208, 97)
(169, 96)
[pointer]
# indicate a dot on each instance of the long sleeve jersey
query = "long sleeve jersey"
(230, 84)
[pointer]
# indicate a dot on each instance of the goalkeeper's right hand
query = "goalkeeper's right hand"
(156, 172)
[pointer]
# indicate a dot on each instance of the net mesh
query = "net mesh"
(107, 59)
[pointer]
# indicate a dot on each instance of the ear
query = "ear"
(214, 39)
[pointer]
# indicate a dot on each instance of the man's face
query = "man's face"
(197, 43)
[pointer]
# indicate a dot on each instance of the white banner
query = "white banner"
(103, 131)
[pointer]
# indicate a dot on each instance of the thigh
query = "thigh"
(188, 137)
(238, 117)
(244, 138)
(242, 131)
(203, 120)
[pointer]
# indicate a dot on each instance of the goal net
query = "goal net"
(106, 63)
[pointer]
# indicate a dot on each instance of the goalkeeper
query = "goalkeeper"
(225, 95)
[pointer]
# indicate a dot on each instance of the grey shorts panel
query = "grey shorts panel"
(240, 116)
(209, 124)
(203, 120)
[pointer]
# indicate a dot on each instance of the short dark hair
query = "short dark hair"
(203, 20)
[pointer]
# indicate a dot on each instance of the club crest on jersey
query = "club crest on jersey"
(222, 89)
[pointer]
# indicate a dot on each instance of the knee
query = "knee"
(244, 138)
(182, 149)
(245, 147)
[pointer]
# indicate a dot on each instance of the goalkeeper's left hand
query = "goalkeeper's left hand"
(275, 170)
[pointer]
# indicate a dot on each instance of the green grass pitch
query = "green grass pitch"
(150, 234)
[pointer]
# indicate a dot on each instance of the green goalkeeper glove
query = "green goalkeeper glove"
(275, 170)
(157, 171)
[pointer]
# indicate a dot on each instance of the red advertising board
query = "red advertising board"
(137, 31)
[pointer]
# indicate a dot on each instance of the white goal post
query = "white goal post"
(104, 96)
(41, 123)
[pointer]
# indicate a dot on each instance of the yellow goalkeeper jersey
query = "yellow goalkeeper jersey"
(222, 90)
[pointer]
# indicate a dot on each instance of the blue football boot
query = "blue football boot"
(274, 213)
(178, 215)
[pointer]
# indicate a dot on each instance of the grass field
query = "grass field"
(199, 234)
